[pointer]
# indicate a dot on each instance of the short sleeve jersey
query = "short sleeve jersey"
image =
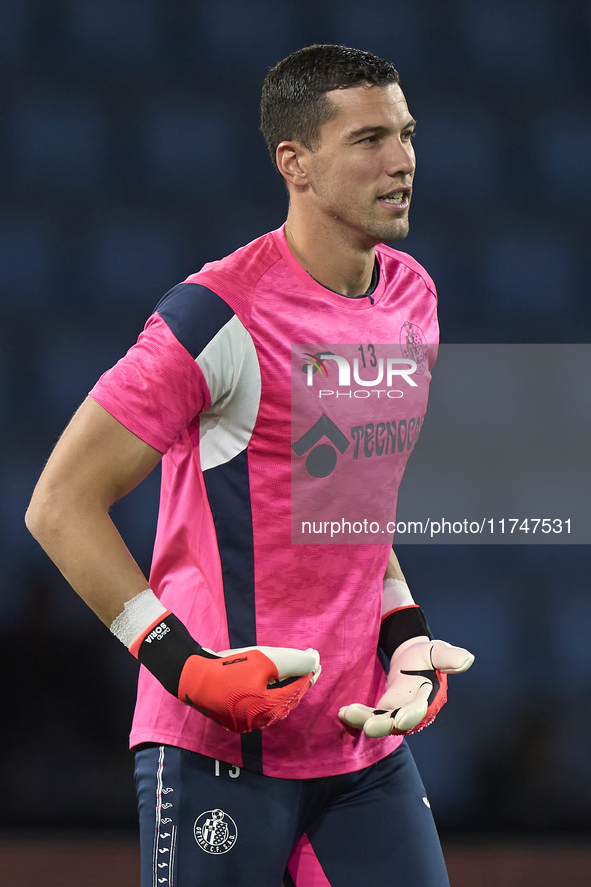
(208, 385)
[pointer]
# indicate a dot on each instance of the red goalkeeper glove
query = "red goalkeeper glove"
(243, 690)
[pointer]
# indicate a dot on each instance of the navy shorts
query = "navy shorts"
(205, 822)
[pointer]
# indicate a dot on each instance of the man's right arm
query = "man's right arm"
(95, 462)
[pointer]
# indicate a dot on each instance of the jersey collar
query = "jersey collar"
(358, 303)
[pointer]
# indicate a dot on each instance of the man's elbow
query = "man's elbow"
(44, 517)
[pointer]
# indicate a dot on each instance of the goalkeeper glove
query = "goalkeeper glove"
(416, 688)
(243, 690)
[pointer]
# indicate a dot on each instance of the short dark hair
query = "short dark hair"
(294, 104)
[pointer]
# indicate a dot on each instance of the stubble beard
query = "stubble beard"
(401, 230)
(382, 231)
(369, 226)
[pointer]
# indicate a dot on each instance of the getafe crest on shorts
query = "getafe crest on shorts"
(215, 831)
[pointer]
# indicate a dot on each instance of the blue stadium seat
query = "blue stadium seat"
(135, 262)
(528, 271)
(58, 138)
(238, 34)
(457, 153)
(396, 31)
(115, 33)
(512, 41)
(25, 263)
(15, 32)
(561, 146)
(190, 146)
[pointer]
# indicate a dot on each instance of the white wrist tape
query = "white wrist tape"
(138, 614)
(396, 594)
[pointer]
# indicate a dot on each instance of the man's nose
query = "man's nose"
(401, 158)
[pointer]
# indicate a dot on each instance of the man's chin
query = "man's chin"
(391, 231)
(398, 232)
(386, 232)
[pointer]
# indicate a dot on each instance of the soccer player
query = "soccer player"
(248, 759)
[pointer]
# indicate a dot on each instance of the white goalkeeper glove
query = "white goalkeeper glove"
(416, 688)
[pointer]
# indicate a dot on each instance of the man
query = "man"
(246, 758)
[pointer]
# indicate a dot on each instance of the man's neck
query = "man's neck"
(328, 257)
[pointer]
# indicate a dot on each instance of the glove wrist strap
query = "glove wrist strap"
(401, 626)
(165, 648)
(157, 638)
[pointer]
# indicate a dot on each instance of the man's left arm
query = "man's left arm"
(416, 688)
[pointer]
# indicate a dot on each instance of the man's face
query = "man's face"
(361, 172)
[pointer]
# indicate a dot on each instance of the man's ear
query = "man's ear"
(291, 163)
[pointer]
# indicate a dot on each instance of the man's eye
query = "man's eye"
(409, 134)
(369, 139)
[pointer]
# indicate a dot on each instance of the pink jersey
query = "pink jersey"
(208, 385)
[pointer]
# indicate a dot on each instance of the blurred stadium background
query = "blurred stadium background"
(130, 156)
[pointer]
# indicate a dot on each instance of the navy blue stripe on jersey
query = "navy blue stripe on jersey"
(252, 751)
(194, 314)
(228, 492)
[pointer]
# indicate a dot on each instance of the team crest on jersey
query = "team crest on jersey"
(215, 832)
(414, 345)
